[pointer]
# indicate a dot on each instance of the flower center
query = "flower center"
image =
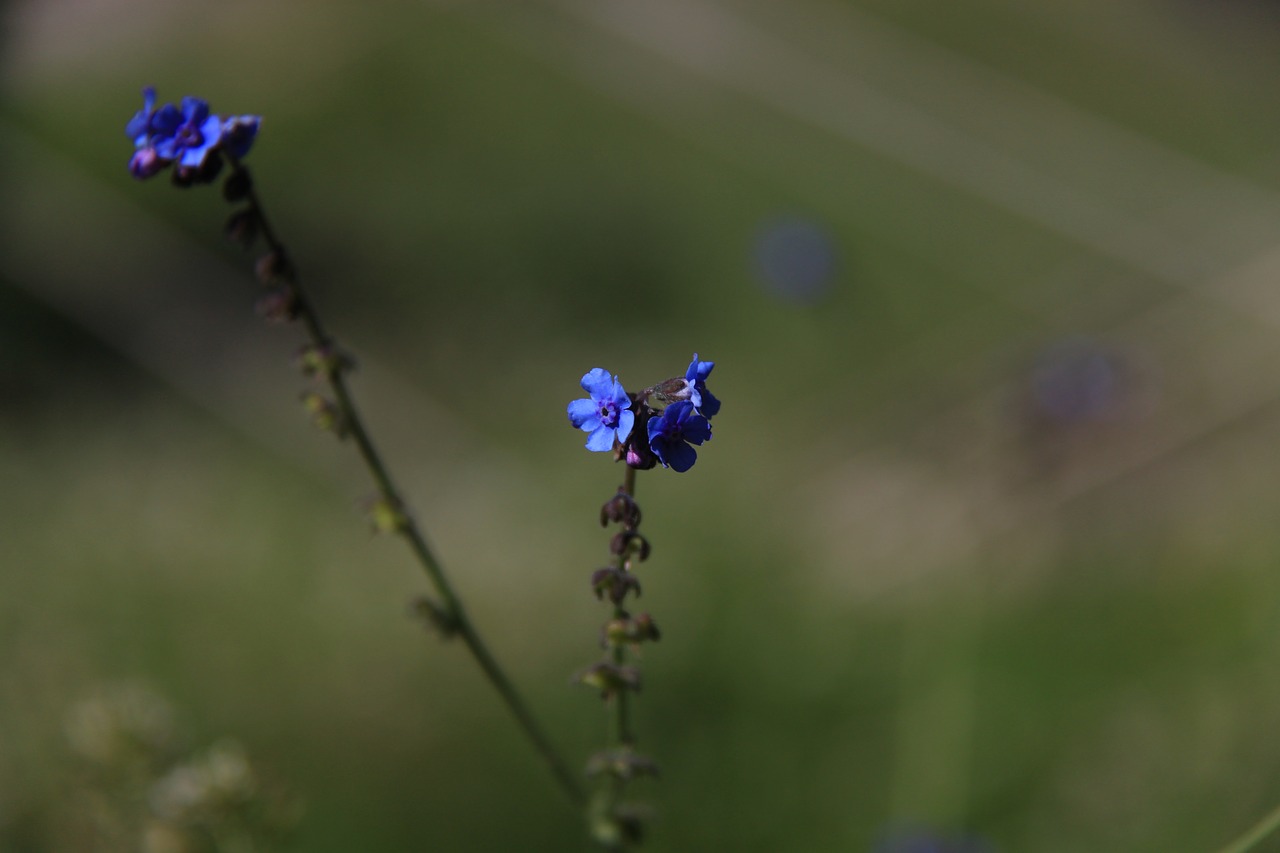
(189, 136)
(609, 414)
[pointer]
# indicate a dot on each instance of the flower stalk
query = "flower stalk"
(449, 614)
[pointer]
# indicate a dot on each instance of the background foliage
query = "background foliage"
(985, 539)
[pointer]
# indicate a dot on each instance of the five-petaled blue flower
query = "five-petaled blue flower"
(606, 415)
(696, 378)
(671, 433)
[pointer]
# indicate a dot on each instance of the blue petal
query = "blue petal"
(709, 405)
(626, 420)
(598, 383)
(618, 394)
(680, 456)
(584, 414)
(601, 440)
(696, 430)
(194, 109)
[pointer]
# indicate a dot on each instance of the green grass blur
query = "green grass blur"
(899, 588)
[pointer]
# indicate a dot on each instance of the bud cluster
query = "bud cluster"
(613, 822)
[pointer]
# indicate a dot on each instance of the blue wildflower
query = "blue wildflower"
(671, 433)
(194, 138)
(238, 133)
(190, 137)
(606, 416)
(696, 379)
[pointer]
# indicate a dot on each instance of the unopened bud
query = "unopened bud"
(278, 306)
(615, 583)
(325, 413)
(628, 543)
(610, 679)
(386, 516)
(237, 185)
(242, 227)
(274, 267)
(621, 508)
(323, 359)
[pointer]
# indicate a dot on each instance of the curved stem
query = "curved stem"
(459, 622)
(1257, 833)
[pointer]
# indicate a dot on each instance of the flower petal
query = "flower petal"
(602, 439)
(679, 456)
(626, 420)
(598, 383)
(584, 414)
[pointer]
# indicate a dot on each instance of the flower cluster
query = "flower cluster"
(189, 137)
(658, 425)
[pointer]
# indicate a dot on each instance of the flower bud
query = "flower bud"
(278, 306)
(325, 413)
(323, 360)
(242, 227)
(634, 630)
(274, 267)
(386, 516)
(674, 390)
(627, 543)
(621, 508)
(615, 583)
(622, 763)
(237, 185)
(609, 679)
(146, 163)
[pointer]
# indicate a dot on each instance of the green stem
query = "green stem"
(1257, 833)
(459, 622)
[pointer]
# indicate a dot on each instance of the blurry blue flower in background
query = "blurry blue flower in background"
(1075, 381)
(795, 259)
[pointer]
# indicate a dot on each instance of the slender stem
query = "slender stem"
(459, 622)
(622, 703)
(1257, 833)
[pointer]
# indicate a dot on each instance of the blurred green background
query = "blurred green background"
(985, 540)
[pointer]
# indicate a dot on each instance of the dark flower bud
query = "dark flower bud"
(323, 360)
(621, 508)
(674, 390)
(325, 413)
(434, 617)
(146, 163)
(242, 227)
(615, 583)
(206, 173)
(623, 763)
(609, 678)
(237, 185)
(640, 457)
(629, 542)
(278, 306)
(274, 267)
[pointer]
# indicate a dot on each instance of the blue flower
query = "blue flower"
(238, 133)
(671, 433)
(696, 379)
(606, 415)
(194, 138)
(190, 137)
